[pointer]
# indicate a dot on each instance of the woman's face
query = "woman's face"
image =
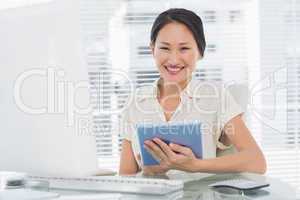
(175, 53)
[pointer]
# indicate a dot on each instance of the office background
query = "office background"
(251, 42)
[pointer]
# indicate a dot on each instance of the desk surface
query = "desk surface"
(199, 190)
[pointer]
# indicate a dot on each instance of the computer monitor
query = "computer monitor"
(44, 98)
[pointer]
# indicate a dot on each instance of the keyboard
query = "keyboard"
(121, 184)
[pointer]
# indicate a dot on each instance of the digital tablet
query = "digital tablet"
(183, 133)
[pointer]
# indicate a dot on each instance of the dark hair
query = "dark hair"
(192, 21)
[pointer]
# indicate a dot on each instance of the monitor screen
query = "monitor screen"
(44, 95)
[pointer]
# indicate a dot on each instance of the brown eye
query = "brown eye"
(184, 48)
(164, 48)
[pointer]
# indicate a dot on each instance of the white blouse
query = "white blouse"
(207, 102)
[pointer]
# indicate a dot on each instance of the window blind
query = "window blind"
(95, 17)
(280, 59)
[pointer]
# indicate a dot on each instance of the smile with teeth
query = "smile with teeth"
(173, 70)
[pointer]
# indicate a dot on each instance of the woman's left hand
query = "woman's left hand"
(172, 156)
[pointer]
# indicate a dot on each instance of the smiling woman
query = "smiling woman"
(177, 44)
(175, 53)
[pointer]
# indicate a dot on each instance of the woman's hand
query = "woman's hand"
(172, 156)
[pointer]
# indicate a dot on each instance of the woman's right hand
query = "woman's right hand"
(169, 156)
(152, 170)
